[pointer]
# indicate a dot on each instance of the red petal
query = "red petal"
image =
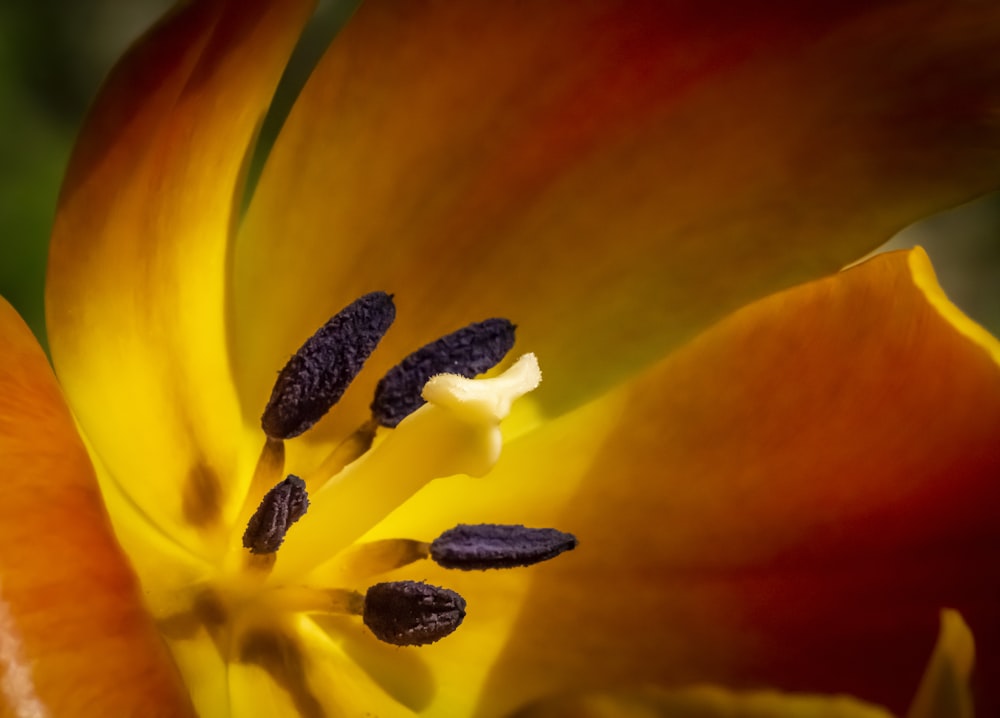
(606, 174)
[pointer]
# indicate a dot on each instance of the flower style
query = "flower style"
(779, 473)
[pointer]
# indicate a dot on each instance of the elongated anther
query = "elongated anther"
(319, 373)
(409, 613)
(468, 352)
(485, 546)
(281, 507)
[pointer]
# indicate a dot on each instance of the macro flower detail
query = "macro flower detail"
(776, 474)
(282, 506)
(407, 613)
(252, 604)
(319, 373)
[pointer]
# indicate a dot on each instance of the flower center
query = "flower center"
(430, 418)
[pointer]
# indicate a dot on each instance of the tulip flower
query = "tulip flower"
(302, 460)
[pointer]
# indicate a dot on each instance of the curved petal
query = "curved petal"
(75, 639)
(138, 262)
(945, 691)
(606, 174)
(787, 501)
(943, 694)
(700, 702)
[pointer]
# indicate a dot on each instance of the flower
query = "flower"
(781, 491)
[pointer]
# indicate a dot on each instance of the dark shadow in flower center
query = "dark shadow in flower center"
(201, 500)
(402, 674)
(282, 658)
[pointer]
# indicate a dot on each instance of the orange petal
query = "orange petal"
(137, 278)
(787, 501)
(75, 639)
(611, 176)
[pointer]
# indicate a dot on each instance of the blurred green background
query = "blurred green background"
(54, 53)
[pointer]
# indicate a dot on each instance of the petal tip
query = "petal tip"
(944, 690)
(926, 281)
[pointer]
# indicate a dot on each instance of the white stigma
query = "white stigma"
(484, 401)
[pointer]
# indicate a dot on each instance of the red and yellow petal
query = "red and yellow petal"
(787, 501)
(612, 176)
(700, 702)
(137, 285)
(943, 693)
(75, 639)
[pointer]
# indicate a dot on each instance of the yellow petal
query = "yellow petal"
(944, 691)
(610, 176)
(138, 262)
(786, 501)
(75, 639)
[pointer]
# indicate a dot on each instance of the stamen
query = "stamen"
(468, 352)
(457, 432)
(281, 507)
(361, 561)
(317, 375)
(408, 613)
(305, 599)
(269, 470)
(486, 546)
(348, 450)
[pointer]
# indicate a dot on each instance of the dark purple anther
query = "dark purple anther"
(408, 613)
(281, 507)
(468, 352)
(483, 546)
(317, 375)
